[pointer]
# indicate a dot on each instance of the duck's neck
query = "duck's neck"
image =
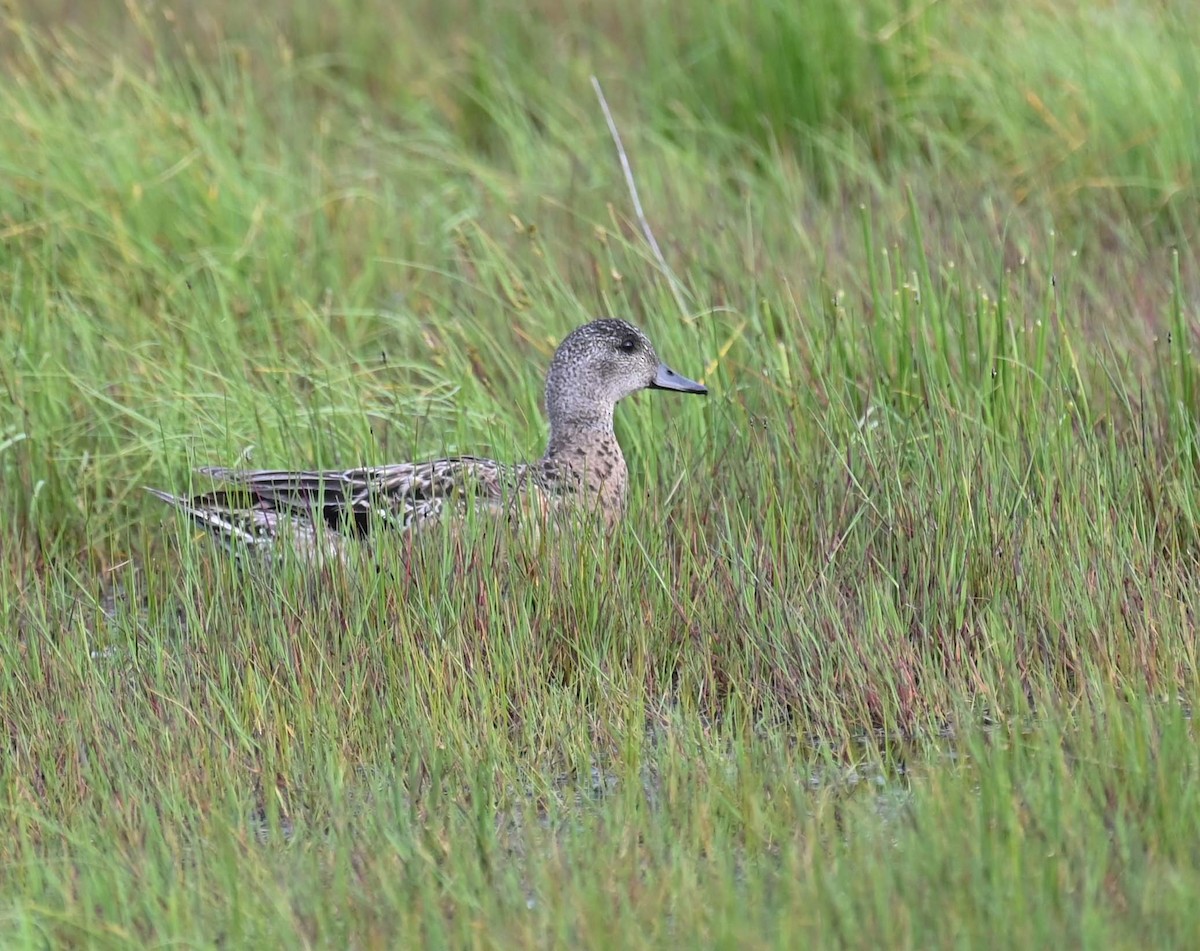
(585, 451)
(568, 432)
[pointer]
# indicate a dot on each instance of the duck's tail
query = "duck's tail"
(253, 528)
(231, 527)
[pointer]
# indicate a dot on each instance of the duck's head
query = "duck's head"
(600, 363)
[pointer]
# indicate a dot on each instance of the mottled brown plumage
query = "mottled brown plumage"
(594, 367)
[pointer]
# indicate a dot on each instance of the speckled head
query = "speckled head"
(598, 364)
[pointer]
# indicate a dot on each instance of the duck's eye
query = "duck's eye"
(628, 345)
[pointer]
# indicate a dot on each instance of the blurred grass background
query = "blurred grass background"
(897, 646)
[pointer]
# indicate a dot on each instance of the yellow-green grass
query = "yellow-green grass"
(897, 646)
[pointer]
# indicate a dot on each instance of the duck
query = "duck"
(594, 367)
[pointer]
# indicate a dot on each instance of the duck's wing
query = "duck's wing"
(349, 500)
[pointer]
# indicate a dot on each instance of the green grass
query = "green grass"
(897, 645)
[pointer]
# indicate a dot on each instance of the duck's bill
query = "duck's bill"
(668, 379)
